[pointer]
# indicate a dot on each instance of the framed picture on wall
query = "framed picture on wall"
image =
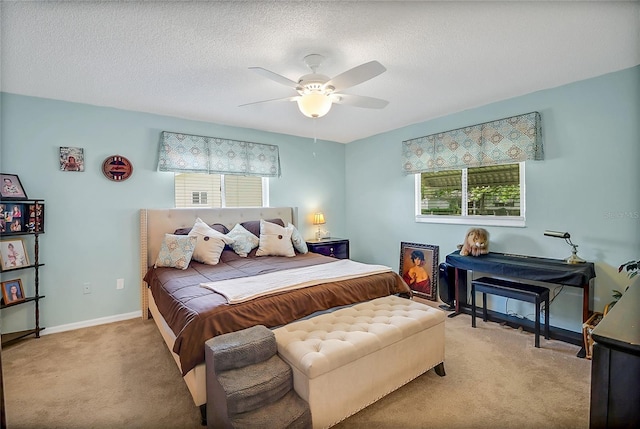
(419, 268)
(71, 158)
(12, 291)
(11, 188)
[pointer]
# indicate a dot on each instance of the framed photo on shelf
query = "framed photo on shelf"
(13, 218)
(11, 188)
(18, 218)
(35, 219)
(13, 254)
(12, 291)
(419, 268)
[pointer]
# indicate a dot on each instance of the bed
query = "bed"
(188, 314)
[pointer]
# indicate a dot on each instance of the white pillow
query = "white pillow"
(243, 240)
(275, 240)
(297, 240)
(210, 243)
(176, 251)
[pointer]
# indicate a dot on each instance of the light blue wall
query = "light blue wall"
(587, 185)
(92, 223)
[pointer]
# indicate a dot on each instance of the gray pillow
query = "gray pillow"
(217, 226)
(253, 226)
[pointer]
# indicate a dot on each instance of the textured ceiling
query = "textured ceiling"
(191, 59)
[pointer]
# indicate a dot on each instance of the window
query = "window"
(220, 190)
(492, 195)
(199, 198)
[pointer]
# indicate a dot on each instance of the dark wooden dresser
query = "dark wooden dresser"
(615, 370)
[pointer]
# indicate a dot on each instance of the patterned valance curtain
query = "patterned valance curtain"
(185, 153)
(505, 141)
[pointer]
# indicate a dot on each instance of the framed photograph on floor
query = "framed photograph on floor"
(419, 268)
(13, 254)
(12, 291)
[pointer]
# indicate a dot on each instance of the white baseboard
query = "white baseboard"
(92, 322)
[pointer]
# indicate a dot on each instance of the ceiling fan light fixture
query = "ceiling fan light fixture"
(317, 92)
(314, 104)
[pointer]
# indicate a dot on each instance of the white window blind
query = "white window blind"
(187, 184)
(242, 191)
(217, 190)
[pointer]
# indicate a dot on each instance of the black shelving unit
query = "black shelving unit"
(37, 230)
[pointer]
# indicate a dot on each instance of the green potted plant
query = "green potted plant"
(631, 268)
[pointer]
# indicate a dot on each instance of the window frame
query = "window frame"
(200, 194)
(264, 186)
(512, 221)
(265, 192)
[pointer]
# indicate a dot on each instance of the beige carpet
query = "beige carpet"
(121, 375)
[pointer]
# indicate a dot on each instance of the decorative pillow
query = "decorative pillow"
(182, 231)
(210, 243)
(275, 240)
(228, 255)
(297, 240)
(243, 241)
(253, 226)
(220, 228)
(217, 226)
(176, 251)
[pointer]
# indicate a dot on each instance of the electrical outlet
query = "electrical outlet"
(120, 284)
(86, 288)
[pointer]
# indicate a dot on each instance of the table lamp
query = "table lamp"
(573, 259)
(318, 219)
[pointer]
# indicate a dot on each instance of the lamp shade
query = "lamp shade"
(318, 219)
(314, 104)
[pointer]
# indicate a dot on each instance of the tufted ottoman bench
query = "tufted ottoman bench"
(345, 360)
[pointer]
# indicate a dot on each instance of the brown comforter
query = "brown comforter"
(195, 313)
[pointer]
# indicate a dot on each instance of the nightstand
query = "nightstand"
(334, 247)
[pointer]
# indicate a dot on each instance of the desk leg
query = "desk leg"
(457, 293)
(585, 303)
(586, 313)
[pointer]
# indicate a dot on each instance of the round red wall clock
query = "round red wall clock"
(117, 168)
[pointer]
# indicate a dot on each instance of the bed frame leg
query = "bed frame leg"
(439, 369)
(203, 414)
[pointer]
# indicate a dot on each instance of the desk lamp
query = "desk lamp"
(318, 219)
(573, 259)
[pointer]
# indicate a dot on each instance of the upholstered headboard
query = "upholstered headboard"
(155, 223)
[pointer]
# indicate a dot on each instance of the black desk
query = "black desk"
(529, 268)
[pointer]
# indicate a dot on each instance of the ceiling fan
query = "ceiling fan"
(317, 92)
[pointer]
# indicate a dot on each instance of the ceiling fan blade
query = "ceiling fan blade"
(293, 98)
(356, 75)
(360, 101)
(275, 77)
